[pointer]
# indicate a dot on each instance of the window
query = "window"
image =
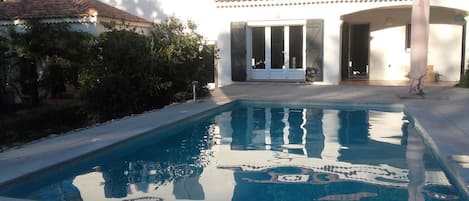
(258, 47)
(408, 31)
(296, 47)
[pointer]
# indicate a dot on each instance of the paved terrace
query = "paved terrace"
(442, 117)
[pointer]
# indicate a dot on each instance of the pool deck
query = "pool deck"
(442, 116)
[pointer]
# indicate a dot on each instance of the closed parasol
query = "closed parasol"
(419, 44)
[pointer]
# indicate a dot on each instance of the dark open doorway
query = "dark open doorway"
(355, 51)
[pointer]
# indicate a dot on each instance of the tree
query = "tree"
(46, 55)
(182, 56)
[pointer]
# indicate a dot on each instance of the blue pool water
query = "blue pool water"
(257, 152)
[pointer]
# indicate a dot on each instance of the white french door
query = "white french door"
(276, 52)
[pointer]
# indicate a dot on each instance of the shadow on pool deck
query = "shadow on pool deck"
(441, 115)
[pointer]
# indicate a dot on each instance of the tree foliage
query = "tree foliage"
(46, 57)
(182, 55)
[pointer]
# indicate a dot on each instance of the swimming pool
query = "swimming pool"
(258, 151)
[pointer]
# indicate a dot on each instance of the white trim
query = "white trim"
(268, 56)
(286, 48)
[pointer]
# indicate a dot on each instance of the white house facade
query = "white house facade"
(325, 41)
(328, 41)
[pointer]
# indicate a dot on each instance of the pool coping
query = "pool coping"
(433, 136)
(13, 162)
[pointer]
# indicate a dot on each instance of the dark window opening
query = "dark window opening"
(258, 47)
(296, 47)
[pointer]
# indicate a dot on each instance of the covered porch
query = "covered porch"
(375, 46)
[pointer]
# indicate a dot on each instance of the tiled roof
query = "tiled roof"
(53, 9)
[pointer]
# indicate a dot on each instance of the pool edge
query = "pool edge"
(453, 176)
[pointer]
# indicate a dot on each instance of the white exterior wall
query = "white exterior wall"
(444, 52)
(389, 60)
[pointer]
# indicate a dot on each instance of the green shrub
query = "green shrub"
(464, 83)
(3, 67)
(131, 73)
(121, 79)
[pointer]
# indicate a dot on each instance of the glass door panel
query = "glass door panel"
(258, 48)
(296, 47)
(277, 47)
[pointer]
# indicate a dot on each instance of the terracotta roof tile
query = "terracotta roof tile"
(48, 9)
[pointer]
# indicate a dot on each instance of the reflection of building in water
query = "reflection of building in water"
(314, 132)
(311, 132)
(354, 127)
(240, 136)
(356, 145)
(330, 127)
